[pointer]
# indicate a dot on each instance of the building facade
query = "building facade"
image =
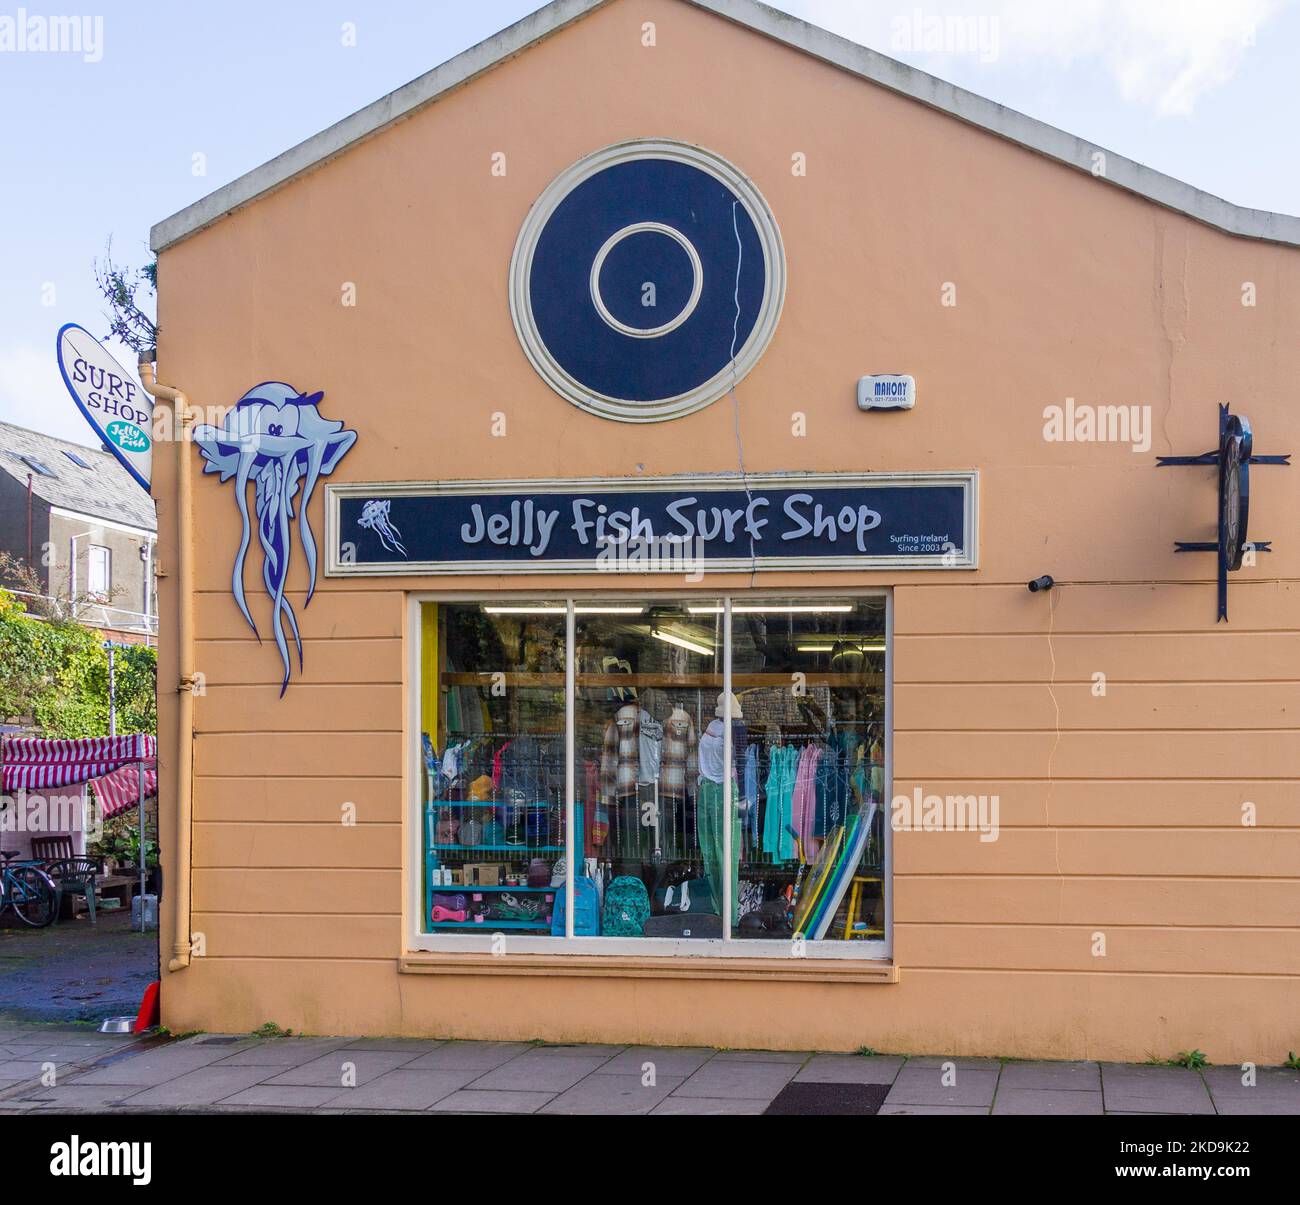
(611, 611)
(84, 527)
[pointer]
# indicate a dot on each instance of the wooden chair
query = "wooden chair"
(48, 849)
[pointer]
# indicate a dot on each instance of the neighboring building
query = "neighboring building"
(86, 529)
(541, 290)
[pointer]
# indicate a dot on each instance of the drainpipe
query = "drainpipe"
(180, 878)
(29, 521)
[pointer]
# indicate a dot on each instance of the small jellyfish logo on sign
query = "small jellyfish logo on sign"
(375, 516)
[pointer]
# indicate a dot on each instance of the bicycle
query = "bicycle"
(28, 890)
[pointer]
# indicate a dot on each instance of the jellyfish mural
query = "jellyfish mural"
(375, 517)
(276, 438)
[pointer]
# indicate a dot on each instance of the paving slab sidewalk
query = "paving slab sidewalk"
(75, 1070)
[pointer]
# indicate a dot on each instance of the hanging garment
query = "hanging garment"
(650, 739)
(778, 840)
(679, 765)
(626, 757)
(711, 829)
(496, 765)
(595, 817)
(804, 804)
(828, 811)
(749, 793)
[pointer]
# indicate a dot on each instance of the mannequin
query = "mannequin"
(711, 805)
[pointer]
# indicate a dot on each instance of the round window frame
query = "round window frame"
(697, 280)
(747, 355)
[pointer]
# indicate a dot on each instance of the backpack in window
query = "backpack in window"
(692, 895)
(627, 908)
(586, 909)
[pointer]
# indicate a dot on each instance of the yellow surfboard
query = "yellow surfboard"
(820, 872)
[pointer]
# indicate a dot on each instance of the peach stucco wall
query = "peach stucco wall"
(1121, 815)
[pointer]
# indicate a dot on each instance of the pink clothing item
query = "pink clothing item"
(803, 807)
(496, 765)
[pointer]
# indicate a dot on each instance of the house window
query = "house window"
(79, 461)
(99, 574)
(608, 728)
(38, 467)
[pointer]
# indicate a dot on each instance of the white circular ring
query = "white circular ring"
(697, 287)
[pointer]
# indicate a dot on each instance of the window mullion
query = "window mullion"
(570, 685)
(728, 801)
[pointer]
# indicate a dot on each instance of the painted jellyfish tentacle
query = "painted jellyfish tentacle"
(246, 459)
(276, 500)
(282, 604)
(290, 492)
(274, 532)
(315, 455)
(387, 531)
(273, 568)
(336, 443)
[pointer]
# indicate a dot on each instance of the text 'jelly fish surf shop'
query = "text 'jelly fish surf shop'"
(593, 522)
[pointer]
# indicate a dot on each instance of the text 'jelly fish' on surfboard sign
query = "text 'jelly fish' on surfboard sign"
(111, 399)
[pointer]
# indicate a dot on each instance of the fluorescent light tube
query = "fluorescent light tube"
(763, 608)
(843, 645)
(682, 642)
(552, 610)
(524, 610)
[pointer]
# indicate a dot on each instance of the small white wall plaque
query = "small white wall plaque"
(886, 391)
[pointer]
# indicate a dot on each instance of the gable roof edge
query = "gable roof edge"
(830, 48)
(375, 117)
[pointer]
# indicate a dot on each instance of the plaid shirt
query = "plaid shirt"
(620, 758)
(679, 761)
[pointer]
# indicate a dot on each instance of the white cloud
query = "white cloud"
(1161, 54)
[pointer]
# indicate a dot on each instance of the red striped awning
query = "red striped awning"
(34, 763)
(119, 790)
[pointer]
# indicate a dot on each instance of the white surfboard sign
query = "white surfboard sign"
(111, 399)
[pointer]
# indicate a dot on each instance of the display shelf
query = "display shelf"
(485, 803)
(492, 849)
(463, 888)
(489, 925)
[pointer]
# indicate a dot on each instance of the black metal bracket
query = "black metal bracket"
(1213, 458)
(1233, 459)
(1207, 546)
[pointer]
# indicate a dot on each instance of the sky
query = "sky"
(167, 102)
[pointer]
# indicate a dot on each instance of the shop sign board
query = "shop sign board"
(109, 398)
(721, 522)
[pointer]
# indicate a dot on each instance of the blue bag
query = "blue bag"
(586, 909)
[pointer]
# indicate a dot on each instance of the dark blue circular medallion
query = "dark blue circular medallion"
(647, 280)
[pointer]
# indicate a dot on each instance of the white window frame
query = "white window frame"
(418, 941)
(107, 560)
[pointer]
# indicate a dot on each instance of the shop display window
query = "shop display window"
(627, 754)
